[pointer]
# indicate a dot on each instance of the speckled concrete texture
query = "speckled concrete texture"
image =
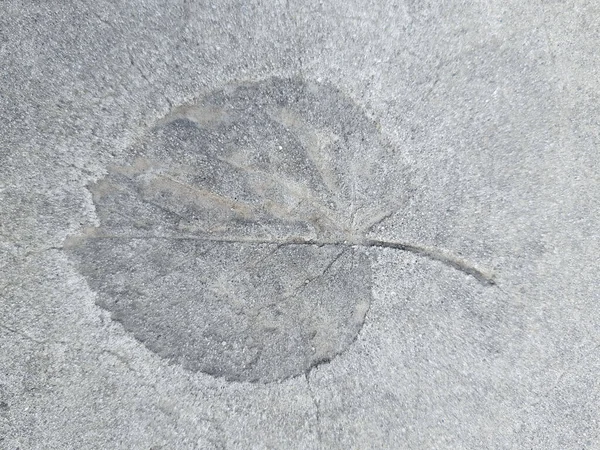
(303, 225)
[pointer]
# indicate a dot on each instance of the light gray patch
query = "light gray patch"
(232, 240)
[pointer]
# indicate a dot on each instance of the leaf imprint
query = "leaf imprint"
(232, 240)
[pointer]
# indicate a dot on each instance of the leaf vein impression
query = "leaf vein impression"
(483, 276)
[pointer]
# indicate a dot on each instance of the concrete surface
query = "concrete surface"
(299, 225)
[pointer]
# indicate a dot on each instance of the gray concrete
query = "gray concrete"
(299, 225)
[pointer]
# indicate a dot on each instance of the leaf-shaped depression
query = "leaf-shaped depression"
(224, 238)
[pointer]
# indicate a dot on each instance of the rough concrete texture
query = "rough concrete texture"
(299, 225)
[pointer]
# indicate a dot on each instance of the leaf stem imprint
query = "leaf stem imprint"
(484, 277)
